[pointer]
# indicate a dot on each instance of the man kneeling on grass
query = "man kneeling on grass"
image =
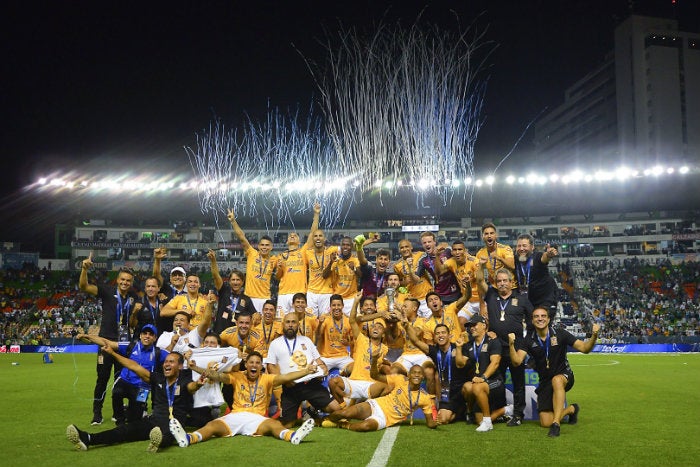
(548, 348)
(405, 397)
(251, 398)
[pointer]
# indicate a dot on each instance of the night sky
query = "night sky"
(92, 85)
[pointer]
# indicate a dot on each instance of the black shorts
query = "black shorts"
(312, 391)
(456, 403)
(545, 393)
(497, 395)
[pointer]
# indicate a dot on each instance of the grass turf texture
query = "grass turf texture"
(636, 410)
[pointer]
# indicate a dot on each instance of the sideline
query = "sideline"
(383, 451)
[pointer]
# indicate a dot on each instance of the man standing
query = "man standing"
(532, 273)
(508, 311)
(334, 337)
(319, 261)
(260, 265)
(495, 255)
(464, 267)
(406, 268)
(548, 347)
(373, 277)
(150, 307)
(441, 314)
(345, 274)
(293, 352)
(292, 268)
(232, 300)
(117, 306)
(431, 263)
(193, 302)
(175, 287)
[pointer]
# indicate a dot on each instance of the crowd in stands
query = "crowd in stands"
(633, 298)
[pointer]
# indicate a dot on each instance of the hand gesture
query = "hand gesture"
(160, 253)
(511, 338)
(87, 262)
(211, 255)
(317, 208)
(231, 216)
(596, 328)
(551, 251)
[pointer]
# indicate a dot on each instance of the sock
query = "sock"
(286, 435)
(194, 437)
(486, 420)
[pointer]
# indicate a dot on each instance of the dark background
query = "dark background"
(117, 86)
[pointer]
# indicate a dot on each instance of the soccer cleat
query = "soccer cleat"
(326, 423)
(573, 417)
(96, 420)
(156, 437)
(515, 421)
(485, 426)
(77, 437)
(178, 433)
(554, 430)
(303, 431)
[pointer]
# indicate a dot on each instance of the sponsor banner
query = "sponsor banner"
(645, 348)
(88, 348)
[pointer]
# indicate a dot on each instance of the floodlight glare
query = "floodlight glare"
(684, 170)
(510, 179)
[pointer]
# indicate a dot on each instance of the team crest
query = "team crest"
(515, 302)
(485, 348)
(554, 340)
(303, 346)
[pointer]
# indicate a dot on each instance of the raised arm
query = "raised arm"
(203, 327)
(314, 225)
(129, 364)
(101, 341)
(516, 356)
(158, 255)
(411, 333)
(480, 278)
(586, 347)
(356, 329)
(549, 253)
(83, 283)
(238, 231)
(374, 372)
(215, 274)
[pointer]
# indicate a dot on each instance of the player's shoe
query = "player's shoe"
(178, 433)
(485, 425)
(554, 430)
(156, 437)
(77, 437)
(303, 431)
(573, 417)
(96, 420)
(326, 423)
(515, 421)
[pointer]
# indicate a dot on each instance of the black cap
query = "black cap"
(476, 318)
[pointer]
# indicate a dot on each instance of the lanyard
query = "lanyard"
(254, 393)
(189, 303)
(339, 329)
(240, 341)
(379, 283)
(152, 308)
(477, 352)
(320, 263)
(503, 305)
(447, 366)
(524, 273)
(291, 349)
(122, 308)
(170, 394)
(545, 345)
(262, 270)
(412, 404)
(266, 335)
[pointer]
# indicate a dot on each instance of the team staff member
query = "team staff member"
(533, 277)
(232, 300)
(485, 392)
(176, 286)
(508, 311)
(548, 347)
(117, 306)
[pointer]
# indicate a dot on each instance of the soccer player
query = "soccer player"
(376, 414)
(334, 336)
(193, 302)
(260, 265)
(319, 261)
(373, 277)
(548, 347)
(496, 255)
(406, 268)
(253, 390)
(345, 274)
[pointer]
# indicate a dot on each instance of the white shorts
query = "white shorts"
(408, 361)
(423, 310)
(319, 302)
(356, 389)
(242, 423)
(258, 303)
(284, 305)
(347, 305)
(469, 310)
(377, 414)
(338, 363)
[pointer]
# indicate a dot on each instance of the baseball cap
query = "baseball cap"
(178, 269)
(149, 327)
(476, 318)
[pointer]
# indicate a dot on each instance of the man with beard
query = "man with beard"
(532, 273)
(333, 337)
(496, 255)
(253, 391)
(406, 268)
(508, 311)
(319, 261)
(232, 300)
(292, 352)
(345, 272)
(292, 268)
(464, 266)
(168, 290)
(431, 263)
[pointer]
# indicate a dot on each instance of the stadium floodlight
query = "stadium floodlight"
(490, 180)
(479, 182)
(423, 184)
(510, 179)
(684, 170)
(400, 183)
(356, 183)
(468, 181)
(670, 170)
(378, 184)
(657, 170)
(531, 178)
(521, 180)
(389, 184)
(554, 178)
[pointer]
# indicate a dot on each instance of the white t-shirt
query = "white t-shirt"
(292, 355)
(219, 359)
(189, 341)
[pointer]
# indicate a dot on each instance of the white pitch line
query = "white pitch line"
(612, 362)
(383, 451)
